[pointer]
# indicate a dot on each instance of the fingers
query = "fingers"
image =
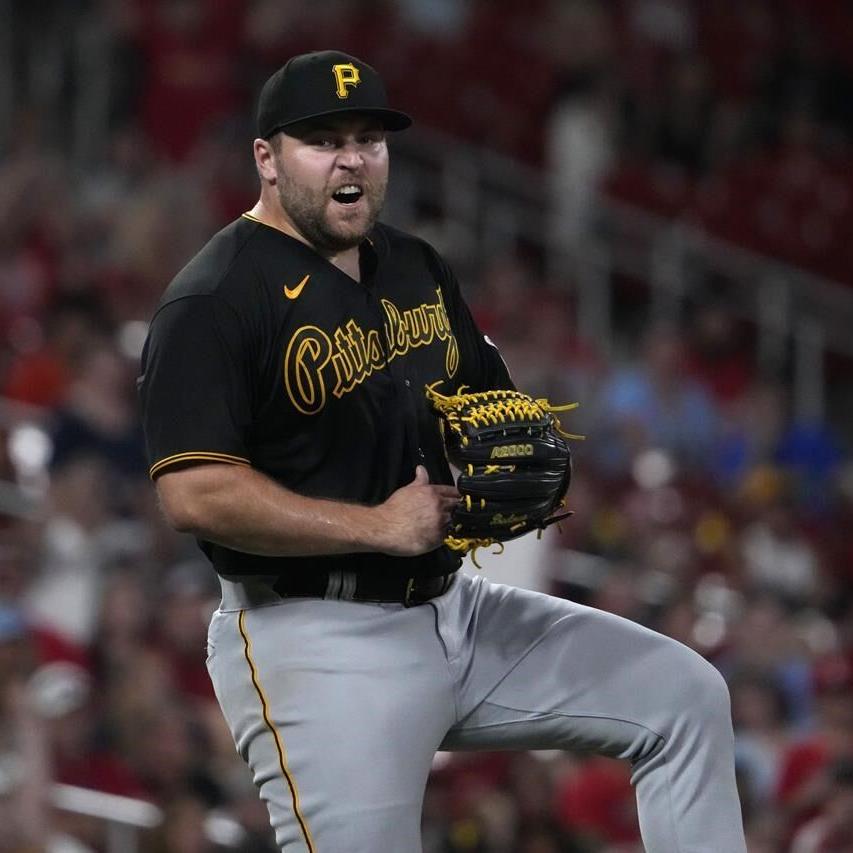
(442, 492)
(431, 505)
(422, 479)
(416, 516)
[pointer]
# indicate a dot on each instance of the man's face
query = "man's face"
(331, 179)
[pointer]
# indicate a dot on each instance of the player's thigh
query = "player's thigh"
(550, 673)
(338, 709)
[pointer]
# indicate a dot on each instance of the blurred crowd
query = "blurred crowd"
(703, 507)
(733, 117)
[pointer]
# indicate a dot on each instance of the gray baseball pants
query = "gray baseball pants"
(338, 708)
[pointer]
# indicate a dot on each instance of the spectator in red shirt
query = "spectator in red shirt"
(805, 783)
(597, 800)
(190, 53)
(832, 830)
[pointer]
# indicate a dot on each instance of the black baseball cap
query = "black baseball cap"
(324, 83)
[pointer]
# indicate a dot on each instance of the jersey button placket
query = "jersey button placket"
(421, 454)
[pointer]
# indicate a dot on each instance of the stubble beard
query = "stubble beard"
(307, 210)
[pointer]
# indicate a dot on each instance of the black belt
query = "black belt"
(352, 586)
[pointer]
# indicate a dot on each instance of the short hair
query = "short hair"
(276, 140)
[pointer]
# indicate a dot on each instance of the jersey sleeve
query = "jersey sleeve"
(482, 367)
(194, 387)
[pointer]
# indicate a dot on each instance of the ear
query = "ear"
(265, 160)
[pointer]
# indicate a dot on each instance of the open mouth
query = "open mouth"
(348, 194)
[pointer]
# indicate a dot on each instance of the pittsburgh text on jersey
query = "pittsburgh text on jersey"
(315, 359)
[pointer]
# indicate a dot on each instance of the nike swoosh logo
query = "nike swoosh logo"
(293, 293)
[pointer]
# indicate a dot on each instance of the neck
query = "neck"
(271, 214)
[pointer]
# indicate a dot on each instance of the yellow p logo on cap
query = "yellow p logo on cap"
(346, 74)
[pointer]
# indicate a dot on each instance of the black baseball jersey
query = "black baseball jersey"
(263, 353)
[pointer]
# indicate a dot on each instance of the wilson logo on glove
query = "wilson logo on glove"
(500, 502)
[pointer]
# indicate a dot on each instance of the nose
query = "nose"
(350, 156)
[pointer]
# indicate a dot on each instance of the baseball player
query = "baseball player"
(283, 394)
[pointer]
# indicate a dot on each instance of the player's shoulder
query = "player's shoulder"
(222, 264)
(396, 243)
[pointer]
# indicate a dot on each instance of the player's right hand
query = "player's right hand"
(416, 516)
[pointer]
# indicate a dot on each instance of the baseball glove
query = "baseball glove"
(514, 462)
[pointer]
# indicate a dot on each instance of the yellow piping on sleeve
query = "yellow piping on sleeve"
(195, 456)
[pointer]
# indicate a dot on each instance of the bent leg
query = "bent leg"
(338, 709)
(539, 672)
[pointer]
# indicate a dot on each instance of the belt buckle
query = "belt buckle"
(407, 598)
(424, 597)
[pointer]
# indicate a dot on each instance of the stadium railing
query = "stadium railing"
(125, 818)
(490, 203)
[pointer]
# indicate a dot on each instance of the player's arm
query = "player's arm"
(242, 509)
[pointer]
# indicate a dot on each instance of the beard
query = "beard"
(308, 210)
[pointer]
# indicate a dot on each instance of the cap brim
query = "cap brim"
(391, 119)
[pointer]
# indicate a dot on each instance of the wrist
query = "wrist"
(369, 526)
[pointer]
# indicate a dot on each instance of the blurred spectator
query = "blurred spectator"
(619, 592)
(26, 815)
(245, 806)
(665, 24)
(189, 598)
(832, 830)
(189, 54)
(220, 154)
(811, 451)
(751, 432)
(182, 830)
(505, 283)
(81, 749)
(761, 430)
(17, 570)
(148, 243)
(65, 594)
(685, 126)
(579, 143)
(545, 355)
(596, 800)
(16, 550)
(777, 556)
(656, 404)
(759, 713)
(27, 261)
(782, 653)
(41, 368)
(444, 18)
(806, 781)
(125, 167)
(124, 623)
(98, 417)
(546, 836)
(80, 538)
(765, 832)
(168, 752)
(717, 354)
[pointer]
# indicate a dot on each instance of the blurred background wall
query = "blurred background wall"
(648, 203)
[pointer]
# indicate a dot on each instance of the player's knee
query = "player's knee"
(704, 690)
